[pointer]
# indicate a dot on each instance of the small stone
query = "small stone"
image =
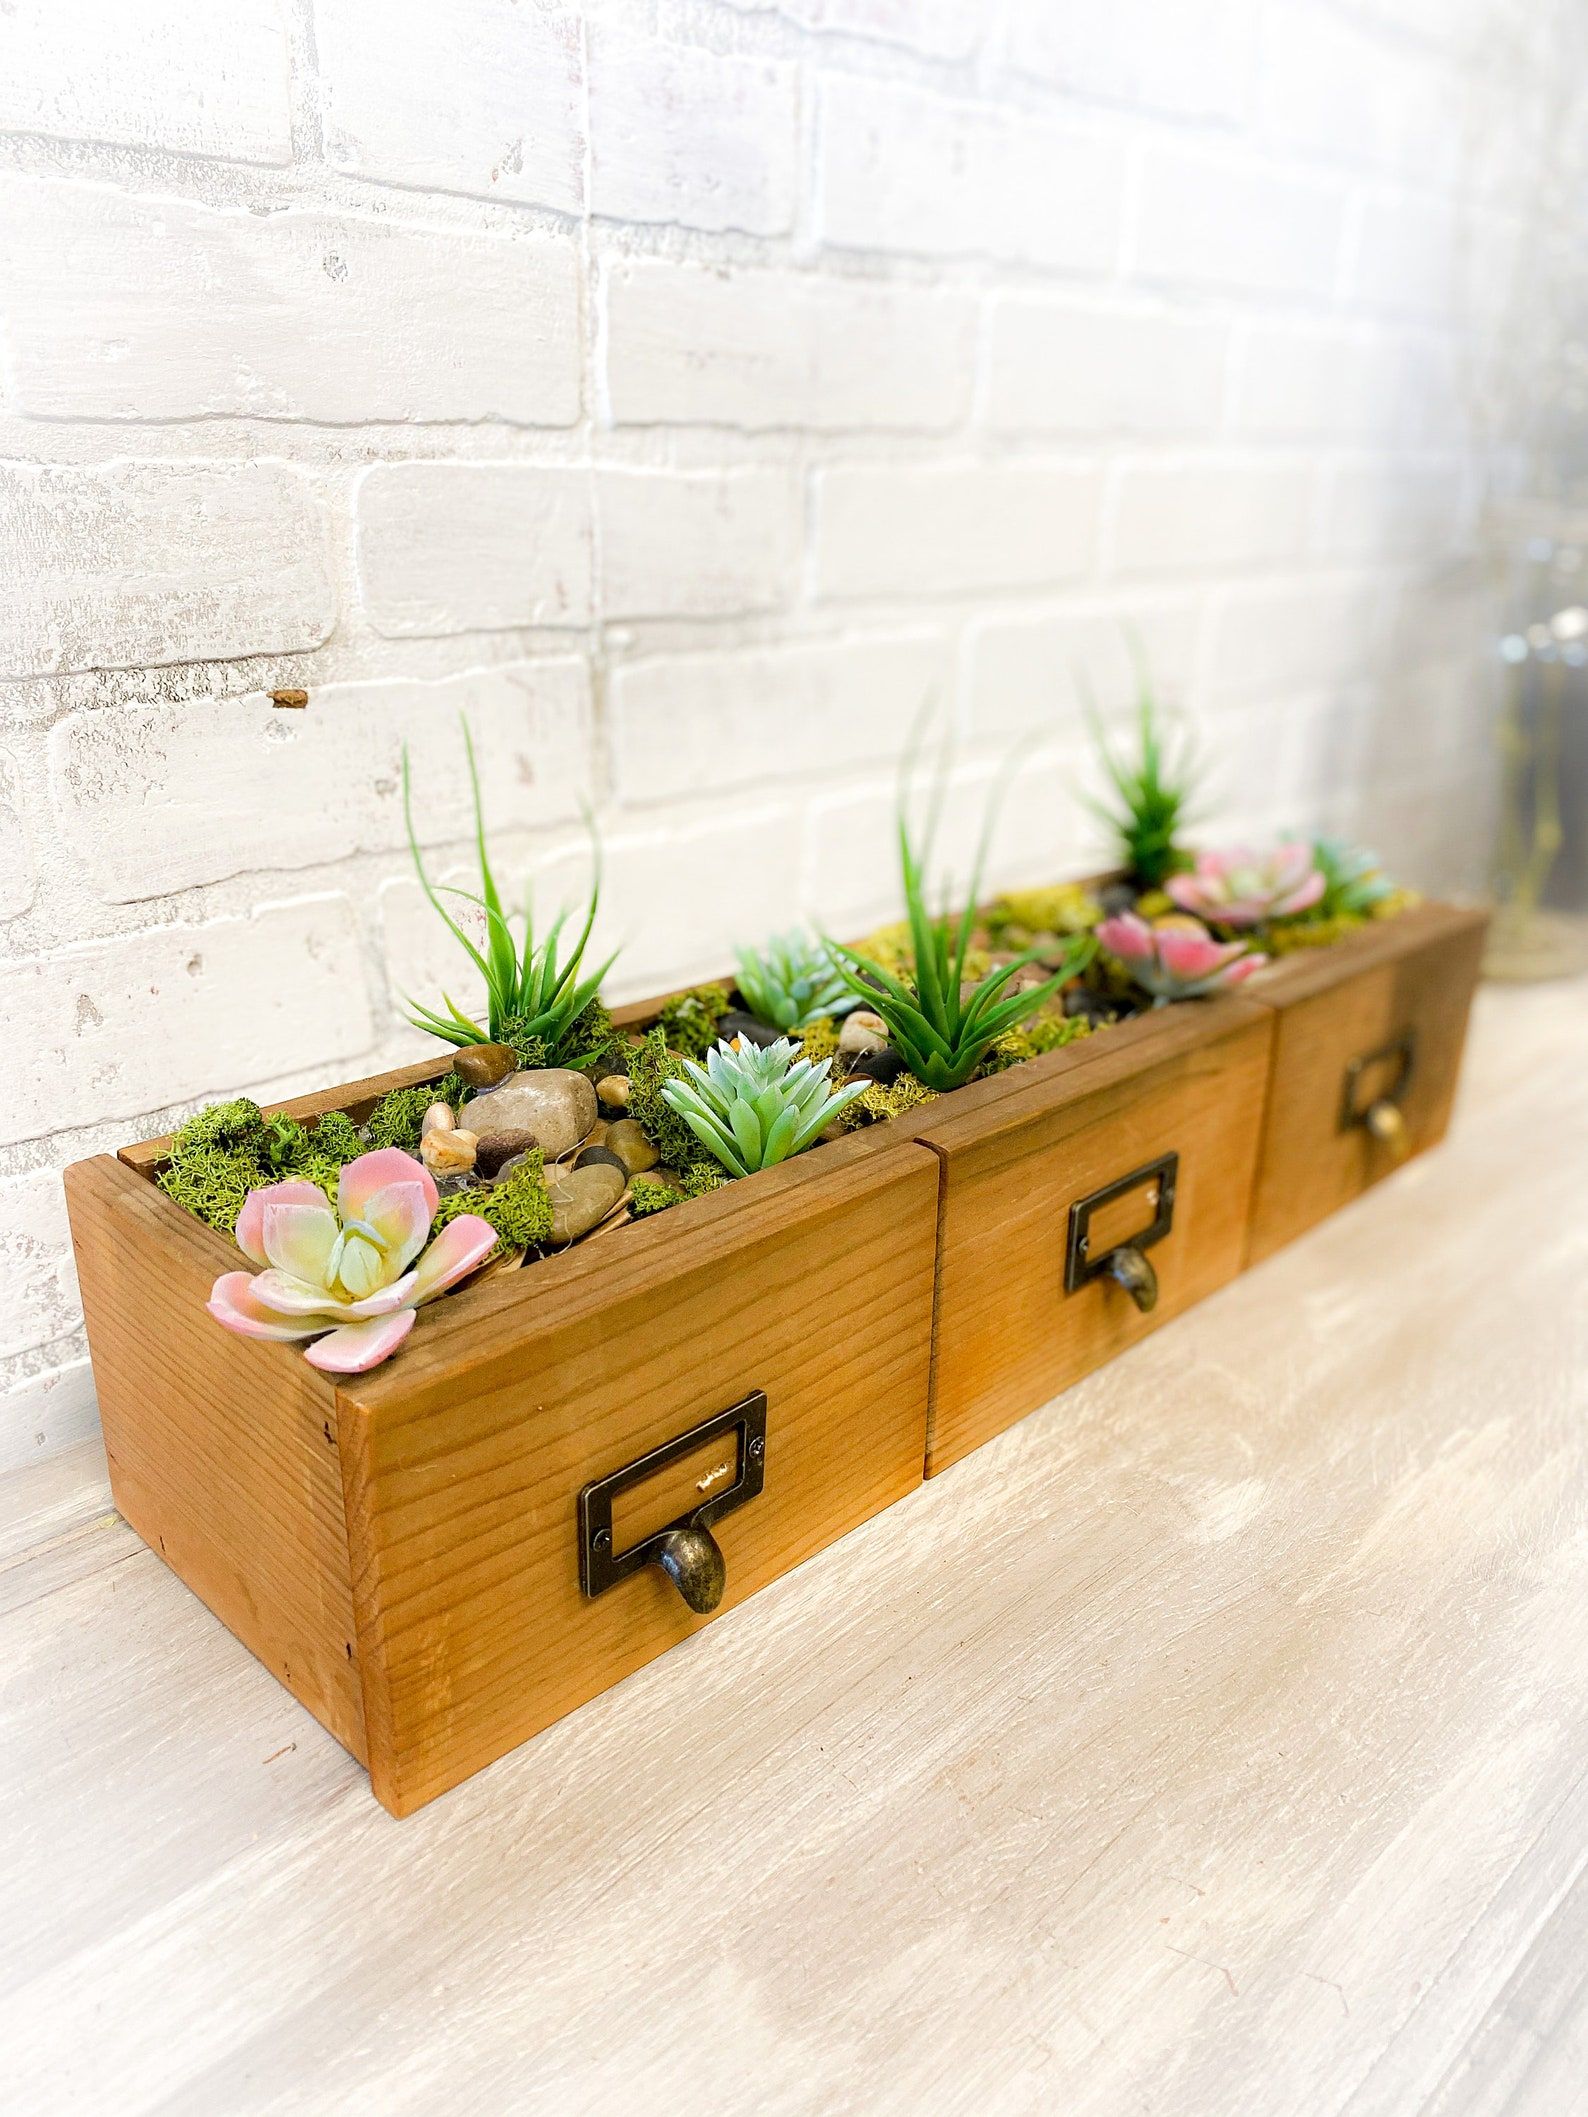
(884, 1066)
(447, 1153)
(483, 1065)
(438, 1118)
(1078, 1001)
(495, 1149)
(580, 1197)
(589, 1156)
(863, 1031)
(1026, 979)
(555, 1103)
(627, 1141)
(737, 1023)
(1116, 897)
(614, 1091)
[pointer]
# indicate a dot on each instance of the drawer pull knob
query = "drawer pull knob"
(1128, 1268)
(684, 1549)
(692, 1560)
(1387, 1125)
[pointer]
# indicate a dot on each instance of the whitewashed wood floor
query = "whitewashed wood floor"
(1215, 1742)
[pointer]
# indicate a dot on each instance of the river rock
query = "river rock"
(555, 1103)
(483, 1065)
(863, 1031)
(1116, 897)
(447, 1152)
(737, 1023)
(614, 1091)
(627, 1141)
(580, 1197)
(884, 1066)
(493, 1150)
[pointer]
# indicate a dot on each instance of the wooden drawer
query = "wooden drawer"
(1383, 1014)
(402, 1548)
(1186, 1082)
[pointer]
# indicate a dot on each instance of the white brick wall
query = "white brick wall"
(687, 395)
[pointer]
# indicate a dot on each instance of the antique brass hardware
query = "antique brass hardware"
(1375, 1086)
(685, 1550)
(1124, 1262)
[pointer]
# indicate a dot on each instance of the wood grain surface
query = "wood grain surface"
(1214, 1742)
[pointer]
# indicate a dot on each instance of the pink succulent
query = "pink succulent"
(346, 1270)
(1243, 888)
(1176, 958)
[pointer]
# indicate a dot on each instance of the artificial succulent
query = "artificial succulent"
(753, 1106)
(1176, 958)
(534, 998)
(1354, 884)
(348, 1277)
(793, 982)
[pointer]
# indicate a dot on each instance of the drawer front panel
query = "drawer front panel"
(1364, 1072)
(755, 1390)
(1099, 1212)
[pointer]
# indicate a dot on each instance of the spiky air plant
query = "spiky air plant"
(792, 982)
(1152, 791)
(942, 1026)
(754, 1106)
(534, 996)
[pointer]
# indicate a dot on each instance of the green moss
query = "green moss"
(651, 1063)
(649, 1194)
(396, 1118)
(1050, 1032)
(819, 1039)
(211, 1183)
(336, 1138)
(689, 1022)
(519, 1208)
(1024, 916)
(877, 1104)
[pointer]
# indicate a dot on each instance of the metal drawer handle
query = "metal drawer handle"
(1125, 1263)
(1381, 1115)
(685, 1550)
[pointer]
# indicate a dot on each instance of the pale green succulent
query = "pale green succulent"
(753, 1107)
(792, 982)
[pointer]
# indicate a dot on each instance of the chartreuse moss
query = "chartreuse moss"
(650, 1194)
(396, 1119)
(518, 1205)
(1022, 916)
(689, 1021)
(876, 1104)
(650, 1064)
(818, 1040)
(1050, 1032)
(231, 1148)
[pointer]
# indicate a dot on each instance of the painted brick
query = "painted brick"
(38, 1280)
(177, 311)
(1191, 517)
(111, 1029)
(1192, 58)
(900, 529)
(1209, 219)
(150, 799)
(1386, 510)
(1333, 88)
(904, 169)
(478, 96)
(18, 876)
(765, 349)
(158, 562)
(697, 543)
(940, 29)
(180, 75)
(1311, 382)
(678, 134)
(1061, 365)
(464, 547)
(1290, 637)
(1406, 257)
(687, 724)
(1034, 674)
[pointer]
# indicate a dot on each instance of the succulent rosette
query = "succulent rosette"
(1240, 887)
(1176, 958)
(348, 1276)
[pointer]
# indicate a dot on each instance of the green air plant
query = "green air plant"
(754, 1106)
(1151, 793)
(792, 982)
(942, 1026)
(533, 997)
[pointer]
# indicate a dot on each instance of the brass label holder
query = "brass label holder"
(685, 1550)
(1380, 1114)
(1124, 1262)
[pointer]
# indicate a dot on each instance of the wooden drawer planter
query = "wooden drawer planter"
(403, 1549)
(1368, 1038)
(1123, 1162)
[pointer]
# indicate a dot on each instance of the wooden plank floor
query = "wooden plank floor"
(1215, 1742)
